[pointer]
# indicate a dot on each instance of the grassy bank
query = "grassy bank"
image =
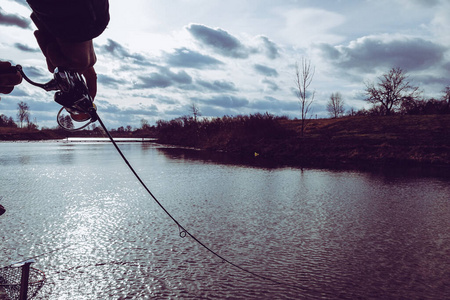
(373, 140)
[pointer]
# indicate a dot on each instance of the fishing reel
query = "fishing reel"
(72, 93)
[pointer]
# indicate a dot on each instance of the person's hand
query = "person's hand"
(79, 57)
(8, 78)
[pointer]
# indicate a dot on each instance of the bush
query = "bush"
(244, 128)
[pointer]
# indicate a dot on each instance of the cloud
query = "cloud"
(432, 79)
(266, 71)
(271, 85)
(217, 86)
(13, 20)
(43, 104)
(269, 48)
(37, 74)
(117, 50)
(219, 40)
(368, 54)
(107, 107)
(272, 104)
(26, 48)
(110, 81)
(185, 58)
(164, 78)
(421, 3)
(225, 101)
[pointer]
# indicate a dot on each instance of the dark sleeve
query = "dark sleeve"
(71, 20)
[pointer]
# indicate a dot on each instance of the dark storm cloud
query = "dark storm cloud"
(13, 20)
(225, 101)
(369, 54)
(164, 78)
(185, 58)
(220, 40)
(266, 71)
(120, 52)
(26, 48)
(217, 85)
(269, 48)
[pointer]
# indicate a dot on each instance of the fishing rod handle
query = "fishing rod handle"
(9, 70)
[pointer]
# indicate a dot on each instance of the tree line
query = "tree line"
(23, 118)
(392, 94)
(191, 131)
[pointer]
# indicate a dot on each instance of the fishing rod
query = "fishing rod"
(72, 93)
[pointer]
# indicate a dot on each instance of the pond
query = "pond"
(292, 233)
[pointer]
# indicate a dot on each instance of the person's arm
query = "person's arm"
(65, 32)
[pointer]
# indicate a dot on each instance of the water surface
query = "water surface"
(323, 234)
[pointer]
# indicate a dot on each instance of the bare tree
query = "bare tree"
(144, 124)
(32, 125)
(303, 77)
(335, 105)
(195, 111)
(23, 114)
(66, 121)
(391, 90)
(446, 96)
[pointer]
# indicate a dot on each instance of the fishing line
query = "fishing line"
(39, 255)
(72, 93)
(183, 231)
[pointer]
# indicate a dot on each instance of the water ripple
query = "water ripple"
(322, 234)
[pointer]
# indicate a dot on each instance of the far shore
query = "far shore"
(382, 140)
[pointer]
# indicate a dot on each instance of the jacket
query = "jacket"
(71, 20)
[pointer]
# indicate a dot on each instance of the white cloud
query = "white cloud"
(440, 24)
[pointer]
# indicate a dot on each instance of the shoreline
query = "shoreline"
(349, 141)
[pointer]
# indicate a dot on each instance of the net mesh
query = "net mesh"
(10, 281)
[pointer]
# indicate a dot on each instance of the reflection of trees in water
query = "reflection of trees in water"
(214, 157)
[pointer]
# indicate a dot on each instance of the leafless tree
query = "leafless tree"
(144, 124)
(23, 114)
(391, 90)
(66, 121)
(335, 105)
(195, 111)
(303, 77)
(446, 96)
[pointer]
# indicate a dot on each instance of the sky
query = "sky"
(159, 57)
